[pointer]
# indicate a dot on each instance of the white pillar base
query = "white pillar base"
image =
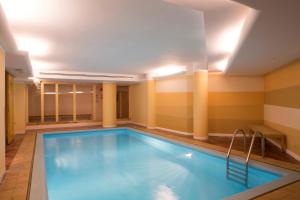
(109, 126)
(150, 127)
(200, 138)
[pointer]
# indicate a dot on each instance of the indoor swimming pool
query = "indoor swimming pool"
(126, 164)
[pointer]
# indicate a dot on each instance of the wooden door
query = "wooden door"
(9, 107)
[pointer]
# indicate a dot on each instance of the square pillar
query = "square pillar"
(109, 104)
(151, 112)
(200, 104)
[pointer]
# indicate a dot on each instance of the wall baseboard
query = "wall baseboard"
(173, 131)
(123, 122)
(200, 138)
(109, 126)
(151, 127)
(161, 128)
(45, 126)
(66, 125)
(223, 135)
(136, 123)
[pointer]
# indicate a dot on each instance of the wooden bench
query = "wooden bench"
(267, 132)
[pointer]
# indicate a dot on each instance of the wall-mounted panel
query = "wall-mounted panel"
(49, 103)
(9, 108)
(34, 104)
(65, 102)
(122, 102)
(84, 102)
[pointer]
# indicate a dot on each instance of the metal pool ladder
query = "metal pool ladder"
(235, 170)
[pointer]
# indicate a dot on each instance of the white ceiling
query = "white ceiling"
(274, 39)
(225, 28)
(6, 40)
(139, 36)
(109, 36)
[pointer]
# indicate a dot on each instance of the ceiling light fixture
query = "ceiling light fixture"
(33, 45)
(222, 64)
(168, 70)
(77, 92)
(20, 11)
(230, 37)
(34, 79)
(50, 93)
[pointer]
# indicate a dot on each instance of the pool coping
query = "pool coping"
(38, 189)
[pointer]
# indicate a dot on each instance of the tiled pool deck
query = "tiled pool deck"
(16, 183)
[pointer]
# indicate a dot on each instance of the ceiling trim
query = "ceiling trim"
(87, 76)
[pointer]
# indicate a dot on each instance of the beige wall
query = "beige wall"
(282, 103)
(2, 113)
(34, 101)
(174, 103)
(137, 103)
(234, 102)
(20, 108)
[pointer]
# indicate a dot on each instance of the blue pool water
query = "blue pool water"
(122, 164)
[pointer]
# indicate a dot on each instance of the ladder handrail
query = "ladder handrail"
(249, 153)
(251, 145)
(237, 131)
